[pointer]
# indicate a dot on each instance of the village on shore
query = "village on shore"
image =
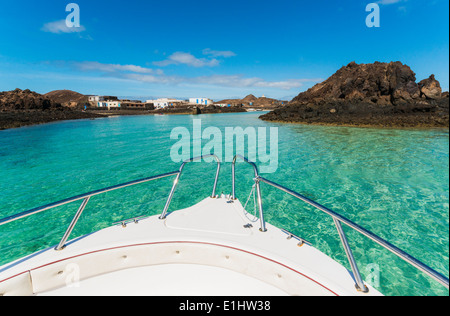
(113, 102)
(25, 107)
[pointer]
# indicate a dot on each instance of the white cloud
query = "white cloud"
(401, 4)
(157, 76)
(59, 27)
(154, 78)
(218, 53)
(96, 66)
(387, 2)
(241, 81)
(182, 58)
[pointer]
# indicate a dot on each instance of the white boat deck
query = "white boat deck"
(201, 250)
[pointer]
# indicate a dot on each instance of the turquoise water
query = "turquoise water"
(392, 182)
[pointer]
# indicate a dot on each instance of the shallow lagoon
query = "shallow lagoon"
(394, 182)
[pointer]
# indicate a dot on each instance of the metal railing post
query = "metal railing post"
(62, 243)
(233, 180)
(258, 188)
(166, 207)
(216, 180)
(260, 206)
(360, 286)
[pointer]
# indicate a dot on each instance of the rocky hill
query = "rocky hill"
(25, 107)
(25, 100)
(67, 97)
(378, 94)
(252, 101)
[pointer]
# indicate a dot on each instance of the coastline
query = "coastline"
(17, 119)
(9, 120)
(396, 122)
(168, 111)
(374, 126)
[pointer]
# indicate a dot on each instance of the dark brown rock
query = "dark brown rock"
(67, 97)
(378, 94)
(24, 107)
(26, 100)
(430, 88)
(251, 101)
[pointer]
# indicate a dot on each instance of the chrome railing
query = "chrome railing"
(338, 221)
(86, 197)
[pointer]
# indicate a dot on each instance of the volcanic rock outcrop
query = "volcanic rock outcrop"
(24, 107)
(251, 101)
(67, 97)
(25, 100)
(378, 94)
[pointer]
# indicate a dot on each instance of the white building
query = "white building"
(165, 102)
(94, 98)
(108, 104)
(97, 98)
(200, 101)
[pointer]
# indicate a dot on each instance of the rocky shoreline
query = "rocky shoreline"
(20, 108)
(15, 119)
(180, 110)
(369, 95)
(24, 107)
(374, 121)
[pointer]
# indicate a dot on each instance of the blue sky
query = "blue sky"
(215, 49)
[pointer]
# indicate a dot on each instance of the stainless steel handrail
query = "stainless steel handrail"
(13, 218)
(177, 179)
(338, 219)
(85, 197)
(257, 186)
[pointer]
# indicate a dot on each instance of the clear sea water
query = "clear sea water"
(394, 182)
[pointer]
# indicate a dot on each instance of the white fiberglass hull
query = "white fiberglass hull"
(205, 250)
